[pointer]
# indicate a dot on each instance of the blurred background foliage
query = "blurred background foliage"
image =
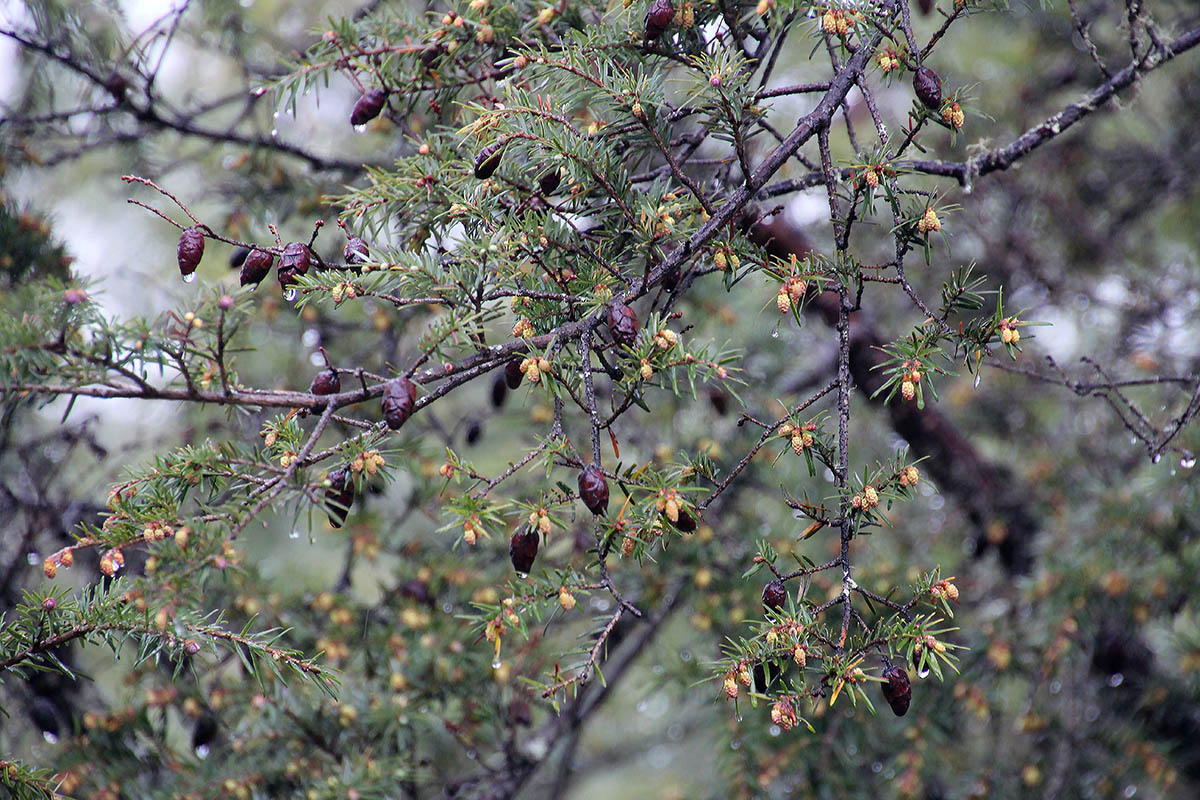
(1081, 673)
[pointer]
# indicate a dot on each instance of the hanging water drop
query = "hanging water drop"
(275, 115)
(274, 133)
(522, 575)
(775, 331)
(50, 736)
(497, 664)
(1156, 458)
(923, 673)
(189, 278)
(1187, 462)
(360, 128)
(290, 294)
(202, 751)
(260, 91)
(294, 535)
(33, 558)
(978, 377)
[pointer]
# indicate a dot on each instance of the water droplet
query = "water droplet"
(294, 535)
(260, 91)
(774, 730)
(360, 128)
(290, 294)
(317, 359)
(471, 754)
(50, 736)
(877, 767)
(1055, 687)
(275, 115)
(1130, 790)
(1116, 679)
(1187, 462)
(736, 743)
(202, 752)
(311, 337)
(33, 558)
(274, 133)
(775, 331)
(923, 673)
(497, 664)
(522, 575)
(1156, 458)
(978, 377)
(189, 278)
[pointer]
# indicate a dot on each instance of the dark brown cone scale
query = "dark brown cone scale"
(897, 690)
(190, 251)
(549, 181)
(399, 398)
(356, 251)
(368, 107)
(512, 374)
(488, 160)
(326, 382)
(522, 549)
(256, 267)
(774, 595)
(658, 19)
(686, 522)
(622, 324)
(593, 489)
(339, 496)
(928, 87)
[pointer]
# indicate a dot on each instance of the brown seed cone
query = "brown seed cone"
(523, 549)
(593, 489)
(670, 278)
(658, 19)
(190, 251)
(550, 180)
(499, 391)
(356, 251)
(238, 257)
(488, 160)
(399, 398)
(296, 258)
(368, 107)
(339, 496)
(686, 522)
(928, 87)
(512, 373)
(256, 267)
(622, 324)
(326, 382)
(774, 595)
(897, 691)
